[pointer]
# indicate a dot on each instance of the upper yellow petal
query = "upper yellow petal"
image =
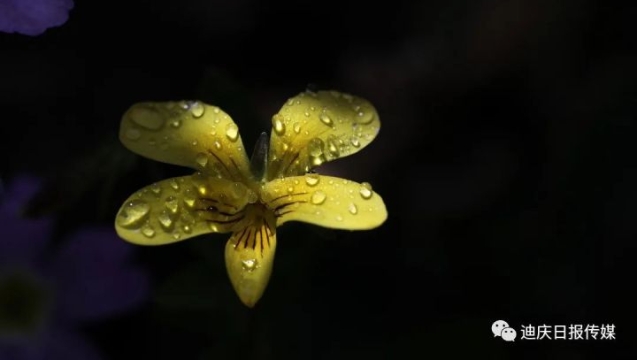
(191, 134)
(325, 201)
(180, 208)
(312, 128)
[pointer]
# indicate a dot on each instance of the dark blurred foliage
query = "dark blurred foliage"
(506, 159)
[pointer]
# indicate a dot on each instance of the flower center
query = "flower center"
(22, 304)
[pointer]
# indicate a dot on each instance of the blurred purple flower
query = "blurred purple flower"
(33, 17)
(46, 291)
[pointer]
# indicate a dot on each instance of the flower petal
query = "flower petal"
(325, 201)
(313, 128)
(180, 208)
(250, 254)
(190, 134)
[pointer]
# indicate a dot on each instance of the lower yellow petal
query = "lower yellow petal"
(325, 201)
(250, 254)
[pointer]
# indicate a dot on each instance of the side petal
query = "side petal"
(325, 201)
(249, 256)
(191, 134)
(180, 208)
(312, 128)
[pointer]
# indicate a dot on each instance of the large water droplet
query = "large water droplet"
(332, 147)
(133, 134)
(148, 231)
(352, 209)
(172, 204)
(315, 147)
(196, 109)
(146, 118)
(297, 127)
(312, 179)
(365, 117)
(249, 265)
(232, 132)
(326, 119)
(318, 197)
(366, 191)
(202, 159)
(189, 198)
(279, 126)
(165, 220)
(133, 213)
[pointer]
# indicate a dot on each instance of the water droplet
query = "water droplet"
(133, 134)
(189, 198)
(249, 265)
(366, 191)
(339, 218)
(174, 185)
(352, 209)
(297, 127)
(175, 123)
(217, 145)
(197, 109)
(202, 159)
(354, 141)
(348, 97)
(290, 189)
(148, 231)
(165, 220)
(279, 126)
(285, 147)
(146, 118)
(318, 197)
(252, 197)
(215, 110)
(172, 204)
(365, 117)
(194, 143)
(232, 132)
(202, 190)
(155, 188)
(133, 213)
(307, 113)
(315, 147)
(332, 147)
(290, 102)
(312, 179)
(187, 229)
(325, 119)
(176, 235)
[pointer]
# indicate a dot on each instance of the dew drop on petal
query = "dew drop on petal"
(352, 209)
(156, 189)
(197, 110)
(249, 264)
(217, 145)
(366, 191)
(354, 141)
(312, 179)
(172, 204)
(187, 229)
(238, 190)
(325, 119)
(279, 126)
(318, 197)
(202, 159)
(133, 134)
(297, 127)
(339, 218)
(133, 213)
(146, 118)
(174, 185)
(232, 132)
(290, 189)
(164, 219)
(148, 231)
(176, 235)
(189, 198)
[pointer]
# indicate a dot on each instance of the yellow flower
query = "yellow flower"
(248, 197)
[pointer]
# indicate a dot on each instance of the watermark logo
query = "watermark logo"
(501, 328)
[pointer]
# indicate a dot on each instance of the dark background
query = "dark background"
(506, 159)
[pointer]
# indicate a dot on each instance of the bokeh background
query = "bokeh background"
(506, 159)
